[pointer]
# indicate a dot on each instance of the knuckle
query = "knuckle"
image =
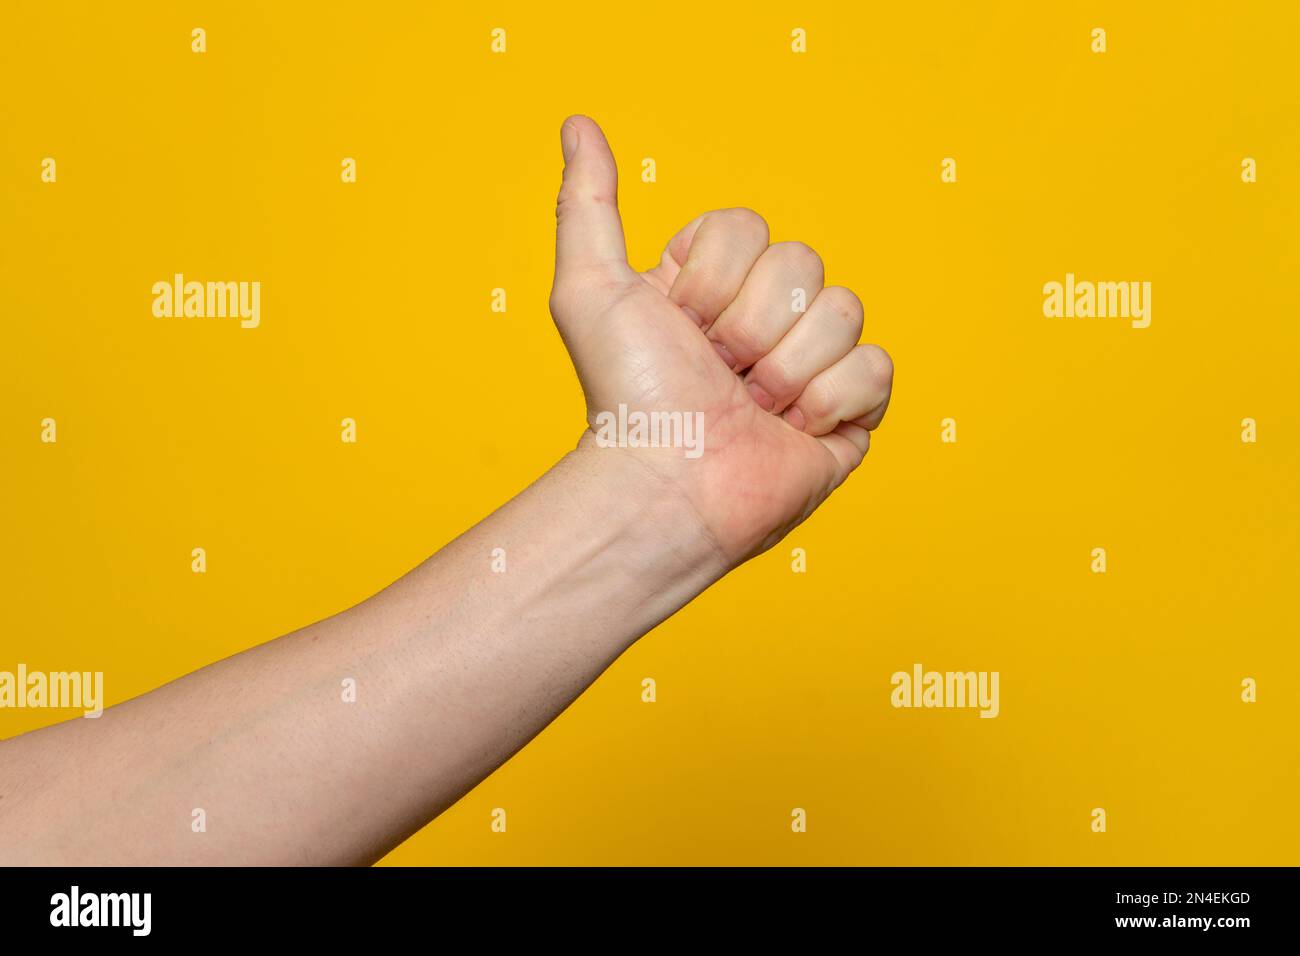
(773, 375)
(880, 367)
(819, 400)
(576, 192)
(799, 256)
(556, 303)
(562, 296)
(845, 304)
(744, 222)
(564, 203)
(743, 340)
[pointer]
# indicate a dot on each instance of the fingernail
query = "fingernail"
(762, 396)
(692, 315)
(726, 355)
(568, 140)
(794, 417)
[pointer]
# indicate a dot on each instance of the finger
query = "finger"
(848, 443)
(673, 258)
(823, 335)
(786, 276)
(715, 256)
(855, 389)
(588, 232)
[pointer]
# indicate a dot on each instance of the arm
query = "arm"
(457, 666)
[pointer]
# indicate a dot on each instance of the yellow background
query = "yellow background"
(1119, 690)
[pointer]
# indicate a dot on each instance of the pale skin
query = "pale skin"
(457, 667)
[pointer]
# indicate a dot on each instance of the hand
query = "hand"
(788, 398)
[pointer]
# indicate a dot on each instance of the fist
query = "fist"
(728, 334)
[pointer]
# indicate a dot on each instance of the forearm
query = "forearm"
(456, 666)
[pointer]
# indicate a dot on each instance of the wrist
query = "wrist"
(655, 524)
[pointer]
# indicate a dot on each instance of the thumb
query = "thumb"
(589, 233)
